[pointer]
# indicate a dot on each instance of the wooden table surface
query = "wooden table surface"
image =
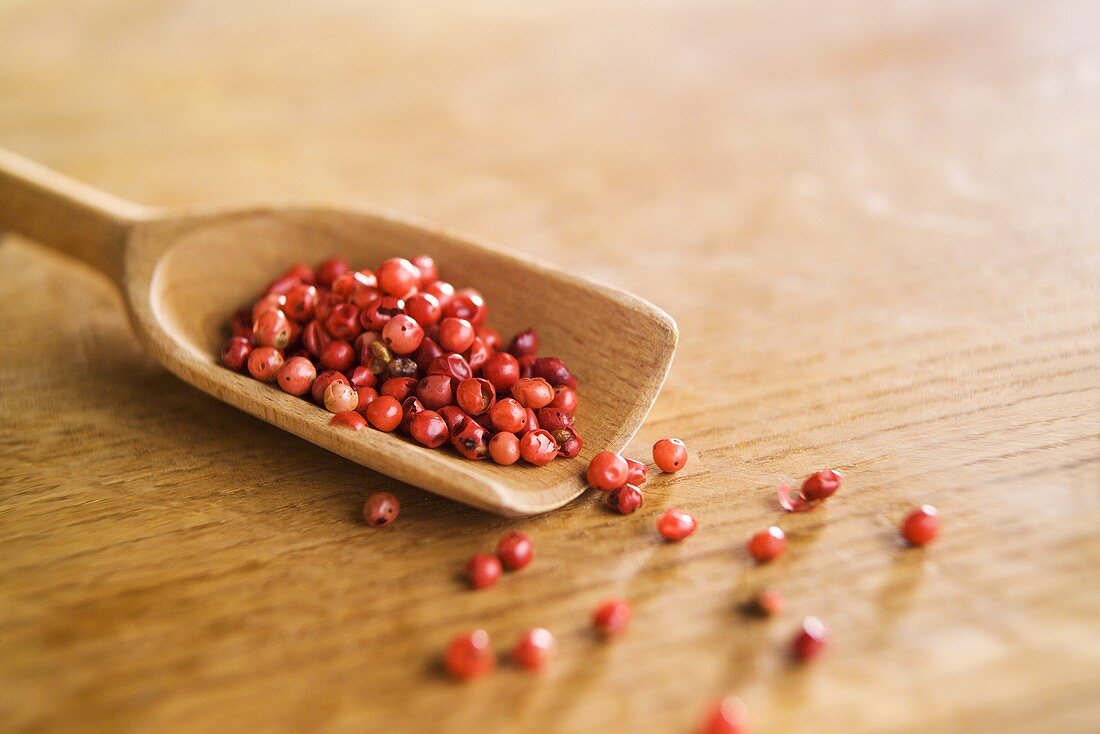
(876, 226)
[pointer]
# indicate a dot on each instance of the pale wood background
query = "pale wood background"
(875, 222)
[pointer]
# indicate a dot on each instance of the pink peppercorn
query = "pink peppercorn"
(625, 500)
(675, 525)
(728, 716)
(767, 545)
(483, 570)
(670, 454)
(636, 472)
(381, 509)
(611, 617)
(264, 363)
(515, 551)
(810, 640)
(469, 655)
(504, 448)
(234, 354)
(766, 603)
(535, 649)
(322, 382)
(296, 376)
(922, 526)
(340, 396)
(820, 485)
(349, 419)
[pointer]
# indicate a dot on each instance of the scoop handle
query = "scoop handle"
(57, 211)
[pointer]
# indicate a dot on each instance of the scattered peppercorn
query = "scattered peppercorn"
(670, 454)
(483, 570)
(727, 716)
(469, 655)
(675, 525)
(767, 545)
(625, 499)
(921, 526)
(607, 471)
(611, 617)
(515, 551)
(810, 640)
(381, 509)
(535, 649)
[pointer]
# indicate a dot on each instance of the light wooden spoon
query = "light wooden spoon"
(183, 274)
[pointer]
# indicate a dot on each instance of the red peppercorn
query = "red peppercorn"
(429, 271)
(241, 324)
(515, 551)
(766, 603)
(636, 472)
(398, 277)
(625, 499)
(338, 355)
(538, 447)
(922, 526)
(504, 448)
(532, 423)
(410, 407)
(315, 338)
(552, 419)
(267, 304)
(234, 354)
(472, 441)
(264, 363)
(554, 371)
(502, 370)
(569, 442)
(343, 322)
(340, 396)
(356, 287)
(483, 570)
(301, 271)
(375, 314)
(322, 382)
(401, 388)
(821, 485)
(296, 376)
(469, 655)
(467, 304)
(453, 415)
(381, 509)
(429, 429)
(491, 338)
(456, 335)
(325, 304)
(300, 302)
(442, 290)
(565, 398)
(728, 716)
(452, 365)
(670, 454)
(403, 334)
(533, 393)
(607, 471)
(366, 397)
(523, 343)
(475, 396)
(526, 366)
(271, 329)
(384, 413)
(767, 545)
(424, 307)
(426, 354)
(810, 640)
(435, 391)
(349, 419)
(508, 415)
(362, 377)
(611, 617)
(535, 649)
(675, 525)
(331, 269)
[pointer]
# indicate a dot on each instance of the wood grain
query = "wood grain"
(876, 228)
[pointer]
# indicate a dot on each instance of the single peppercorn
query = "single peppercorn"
(467, 304)
(535, 649)
(533, 392)
(454, 417)
(451, 365)
(398, 277)
(380, 509)
(366, 396)
(670, 454)
(820, 486)
(343, 322)
(810, 640)
(501, 370)
(429, 271)
(338, 355)
(491, 338)
(322, 382)
(340, 396)
(435, 391)
(264, 363)
(401, 388)
(524, 343)
(508, 415)
(611, 617)
(607, 471)
(538, 447)
(515, 550)
(727, 716)
(403, 335)
(921, 526)
(483, 570)
(469, 655)
(349, 419)
(268, 304)
(569, 442)
(504, 448)
(471, 440)
(625, 500)
(234, 354)
(424, 307)
(271, 329)
(374, 315)
(765, 603)
(675, 525)
(300, 302)
(296, 376)
(429, 429)
(456, 335)
(552, 419)
(475, 396)
(636, 472)
(565, 398)
(384, 413)
(331, 269)
(767, 545)
(554, 371)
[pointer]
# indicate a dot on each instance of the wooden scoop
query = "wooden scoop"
(182, 275)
